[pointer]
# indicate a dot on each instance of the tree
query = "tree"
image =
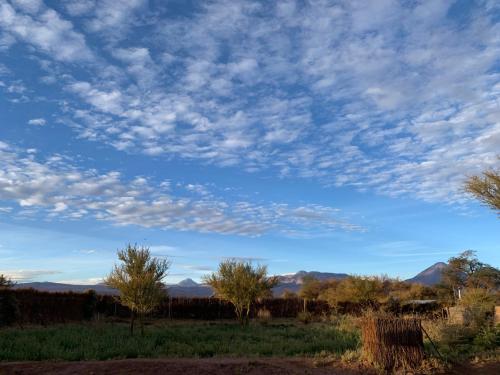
(465, 270)
(486, 188)
(459, 269)
(310, 290)
(241, 284)
(486, 277)
(365, 291)
(5, 282)
(9, 306)
(139, 281)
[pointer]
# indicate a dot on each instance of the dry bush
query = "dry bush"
(264, 315)
(351, 356)
(479, 307)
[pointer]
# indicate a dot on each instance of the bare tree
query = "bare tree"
(241, 284)
(139, 281)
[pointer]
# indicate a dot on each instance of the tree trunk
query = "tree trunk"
(132, 319)
(247, 316)
(239, 314)
(141, 320)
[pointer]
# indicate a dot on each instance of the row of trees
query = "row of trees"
(464, 275)
(139, 279)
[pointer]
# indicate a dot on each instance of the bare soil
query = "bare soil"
(215, 366)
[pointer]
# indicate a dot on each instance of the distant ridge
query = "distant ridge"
(293, 283)
(190, 288)
(58, 287)
(430, 276)
(187, 287)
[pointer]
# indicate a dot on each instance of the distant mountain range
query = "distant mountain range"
(190, 288)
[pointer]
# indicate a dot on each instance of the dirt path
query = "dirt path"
(215, 366)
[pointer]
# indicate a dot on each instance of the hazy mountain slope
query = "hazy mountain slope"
(430, 276)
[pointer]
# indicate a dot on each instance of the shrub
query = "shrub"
(351, 356)
(264, 315)
(479, 306)
(488, 338)
(305, 317)
(345, 323)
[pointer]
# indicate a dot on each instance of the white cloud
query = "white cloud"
(27, 275)
(44, 29)
(79, 7)
(55, 189)
(37, 122)
(397, 98)
(88, 281)
(113, 18)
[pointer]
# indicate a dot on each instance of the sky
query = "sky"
(305, 135)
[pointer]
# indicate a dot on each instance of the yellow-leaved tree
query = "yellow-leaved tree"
(139, 280)
(241, 284)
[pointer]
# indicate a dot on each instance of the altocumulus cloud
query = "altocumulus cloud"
(394, 97)
(56, 189)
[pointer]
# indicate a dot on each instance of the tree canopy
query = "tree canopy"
(241, 284)
(466, 271)
(486, 188)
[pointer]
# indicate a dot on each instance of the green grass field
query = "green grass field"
(77, 342)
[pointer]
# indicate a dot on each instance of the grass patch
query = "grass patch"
(76, 342)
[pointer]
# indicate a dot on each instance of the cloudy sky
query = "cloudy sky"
(316, 135)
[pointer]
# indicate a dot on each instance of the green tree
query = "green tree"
(139, 280)
(486, 188)
(356, 289)
(241, 284)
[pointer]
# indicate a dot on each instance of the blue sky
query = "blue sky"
(322, 135)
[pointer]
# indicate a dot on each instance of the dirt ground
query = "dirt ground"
(272, 366)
